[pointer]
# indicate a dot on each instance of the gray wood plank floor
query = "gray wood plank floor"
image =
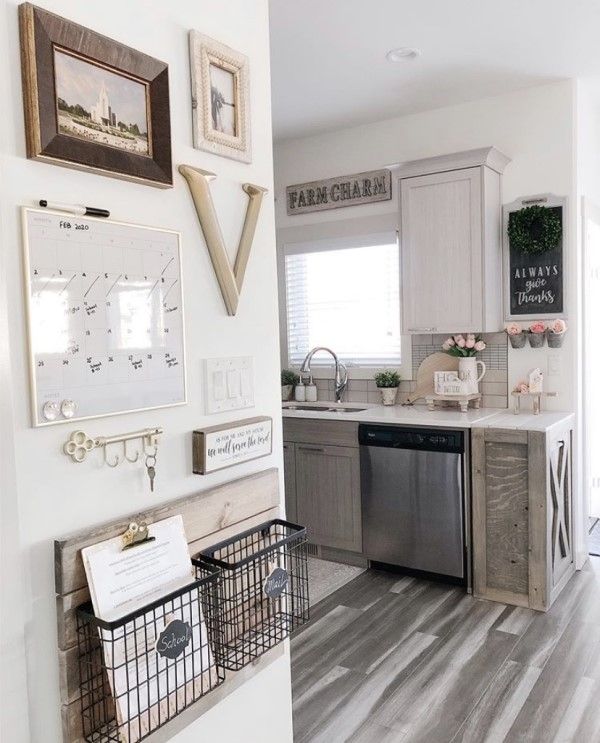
(391, 659)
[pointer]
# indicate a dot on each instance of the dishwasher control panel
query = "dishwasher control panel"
(398, 437)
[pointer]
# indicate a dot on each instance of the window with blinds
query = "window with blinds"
(347, 298)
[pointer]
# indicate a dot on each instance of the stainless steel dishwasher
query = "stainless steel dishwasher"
(412, 484)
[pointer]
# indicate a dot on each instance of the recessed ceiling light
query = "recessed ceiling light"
(402, 54)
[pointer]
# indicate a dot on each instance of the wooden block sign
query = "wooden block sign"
(222, 446)
(345, 190)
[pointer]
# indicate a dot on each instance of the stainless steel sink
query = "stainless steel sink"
(322, 408)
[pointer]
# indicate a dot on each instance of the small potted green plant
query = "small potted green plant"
(289, 379)
(388, 382)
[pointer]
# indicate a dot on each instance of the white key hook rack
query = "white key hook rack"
(80, 444)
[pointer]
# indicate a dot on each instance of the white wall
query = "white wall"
(45, 495)
(534, 127)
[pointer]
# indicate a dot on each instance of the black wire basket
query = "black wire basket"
(265, 589)
(140, 671)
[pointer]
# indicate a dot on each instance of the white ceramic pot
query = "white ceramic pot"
(467, 371)
(286, 392)
(388, 395)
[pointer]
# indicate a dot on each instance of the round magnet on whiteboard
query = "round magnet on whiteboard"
(68, 408)
(50, 411)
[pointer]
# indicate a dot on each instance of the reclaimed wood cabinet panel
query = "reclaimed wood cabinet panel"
(522, 514)
(289, 473)
(328, 495)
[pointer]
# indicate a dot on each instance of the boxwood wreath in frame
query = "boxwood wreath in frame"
(534, 229)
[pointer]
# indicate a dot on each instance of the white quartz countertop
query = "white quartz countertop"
(419, 415)
(526, 421)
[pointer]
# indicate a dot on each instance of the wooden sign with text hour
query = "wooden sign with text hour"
(218, 447)
(105, 310)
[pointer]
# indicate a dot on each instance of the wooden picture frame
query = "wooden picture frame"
(227, 444)
(553, 266)
(88, 135)
(221, 126)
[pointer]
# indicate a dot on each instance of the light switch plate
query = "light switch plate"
(554, 364)
(229, 384)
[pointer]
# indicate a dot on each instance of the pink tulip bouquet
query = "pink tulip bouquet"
(463, 345)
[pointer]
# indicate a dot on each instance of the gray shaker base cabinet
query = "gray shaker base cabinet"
(522, 514)
(322, 481)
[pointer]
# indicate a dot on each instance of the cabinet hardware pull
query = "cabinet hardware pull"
(311, 448)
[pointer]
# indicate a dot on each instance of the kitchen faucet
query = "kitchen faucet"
(341, 373)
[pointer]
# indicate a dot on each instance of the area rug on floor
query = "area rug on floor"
(325, 577)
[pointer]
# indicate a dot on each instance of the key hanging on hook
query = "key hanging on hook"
(151, 469)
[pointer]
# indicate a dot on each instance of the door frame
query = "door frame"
(589, 211)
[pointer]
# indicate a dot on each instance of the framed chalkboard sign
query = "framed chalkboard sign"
(534, 265)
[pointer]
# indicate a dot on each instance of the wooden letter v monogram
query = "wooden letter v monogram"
(230, 279)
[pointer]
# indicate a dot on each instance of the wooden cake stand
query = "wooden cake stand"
(462, 400)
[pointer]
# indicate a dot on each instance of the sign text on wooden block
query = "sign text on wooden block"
(223, 446)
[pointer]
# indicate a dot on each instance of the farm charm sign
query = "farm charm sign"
(534, 239)
(345, 190)
(223, 446)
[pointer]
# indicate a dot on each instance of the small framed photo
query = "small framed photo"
(220, 98)
(92, 103)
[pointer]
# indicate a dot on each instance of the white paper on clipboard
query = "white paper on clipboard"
(147, 686)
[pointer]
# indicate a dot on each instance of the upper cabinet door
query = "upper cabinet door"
(442, 252)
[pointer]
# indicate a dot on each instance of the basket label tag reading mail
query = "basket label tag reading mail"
(174, 639)
(275, 583)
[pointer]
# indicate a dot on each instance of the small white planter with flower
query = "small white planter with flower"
(466, 348)
(388, 382)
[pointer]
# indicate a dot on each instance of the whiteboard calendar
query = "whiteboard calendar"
(105, 309)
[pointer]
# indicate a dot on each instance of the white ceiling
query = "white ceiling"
(329, 69)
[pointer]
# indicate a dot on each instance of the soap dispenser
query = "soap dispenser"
(311, 390)
(300, 392)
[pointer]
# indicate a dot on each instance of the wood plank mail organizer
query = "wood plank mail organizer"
(210, 516)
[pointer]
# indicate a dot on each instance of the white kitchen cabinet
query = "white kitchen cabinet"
(450, 242)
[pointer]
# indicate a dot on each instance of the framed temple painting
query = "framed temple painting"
(93, 103)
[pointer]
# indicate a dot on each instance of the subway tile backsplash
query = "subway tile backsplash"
(494, 386)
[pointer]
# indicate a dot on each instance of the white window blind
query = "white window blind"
(347, 298)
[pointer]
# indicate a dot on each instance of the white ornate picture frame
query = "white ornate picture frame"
(220, 98)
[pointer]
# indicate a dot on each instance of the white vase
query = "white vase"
(467, 371)
(388, 395)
